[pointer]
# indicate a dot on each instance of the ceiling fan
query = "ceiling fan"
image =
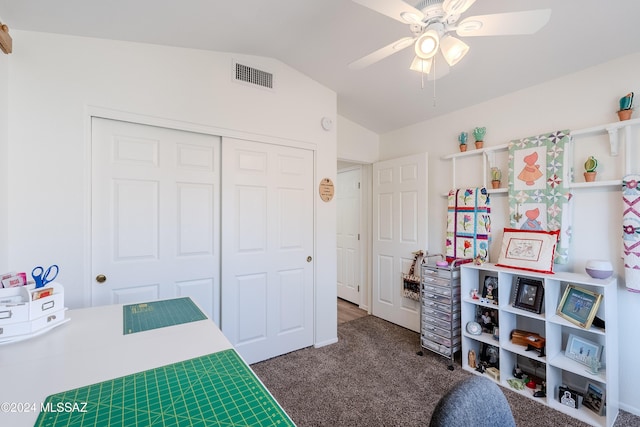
(431, 21)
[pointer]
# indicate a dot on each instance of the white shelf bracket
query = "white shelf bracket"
(613, 140)
(491, 158)
(453, 172)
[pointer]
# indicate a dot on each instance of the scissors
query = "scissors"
(42, 276)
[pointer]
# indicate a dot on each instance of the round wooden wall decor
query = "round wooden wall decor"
(326, 189)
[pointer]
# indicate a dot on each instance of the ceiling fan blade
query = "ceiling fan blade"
(394, 9)
(456, 7)
(382, 53)
(501, 24)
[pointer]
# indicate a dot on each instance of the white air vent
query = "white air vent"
(254, 76)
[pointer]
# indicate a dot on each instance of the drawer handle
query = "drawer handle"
(6, 314)
(48, 305)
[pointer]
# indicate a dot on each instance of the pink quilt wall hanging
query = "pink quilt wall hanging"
(631, 231)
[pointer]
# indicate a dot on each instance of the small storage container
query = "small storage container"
(26, 311)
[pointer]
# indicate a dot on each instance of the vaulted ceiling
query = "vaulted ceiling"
(321, 37)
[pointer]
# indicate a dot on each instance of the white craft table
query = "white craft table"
(92, 348)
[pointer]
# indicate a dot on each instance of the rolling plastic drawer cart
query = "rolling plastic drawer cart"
(440, 307)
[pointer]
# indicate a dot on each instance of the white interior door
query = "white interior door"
(155, 214)
(267, 241)
(399, 228)
(348, 225)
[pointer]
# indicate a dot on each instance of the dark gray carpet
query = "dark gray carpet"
(373, 377)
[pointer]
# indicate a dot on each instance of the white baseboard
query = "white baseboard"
(630, 409)
(327, 342)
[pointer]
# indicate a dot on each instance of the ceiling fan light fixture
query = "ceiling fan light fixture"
(453, 49)
(421, 65)
(427, 44)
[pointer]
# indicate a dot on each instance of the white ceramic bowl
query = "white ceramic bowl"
(599, 269)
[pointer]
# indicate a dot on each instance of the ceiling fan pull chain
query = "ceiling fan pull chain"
(434, 81)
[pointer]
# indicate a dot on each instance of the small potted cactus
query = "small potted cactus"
(590, 169)
(496, 177)
(462, 139)
(626, 107)
(478, 134)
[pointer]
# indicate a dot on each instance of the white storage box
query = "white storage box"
(22, 316)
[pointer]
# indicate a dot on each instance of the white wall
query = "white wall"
(53, 79)
(356, 143)
(581, 100)
(4, 185)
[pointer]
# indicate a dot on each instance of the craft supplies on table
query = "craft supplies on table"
(159, 314)
(185, 367)
(26, 312)
(215, 389)
(42, 276)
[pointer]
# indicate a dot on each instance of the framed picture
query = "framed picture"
(594, 398)
(568, 397)
(582, 350)
(579, 306)
(529, 294)
(531, 250)
(489, 287)
(489, 354)
(487, 318)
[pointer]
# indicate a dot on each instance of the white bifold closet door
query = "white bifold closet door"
(267, 242)
(177, 213)
(155, 228)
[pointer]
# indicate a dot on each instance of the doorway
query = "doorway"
(349, 235)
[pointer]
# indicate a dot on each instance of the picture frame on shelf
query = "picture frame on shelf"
(568, 397)
(489, 283)
(487, 318)
(579, 306)
(489, 355)
(531, 250)
(582, 350)
(529, 294)
(594, 398)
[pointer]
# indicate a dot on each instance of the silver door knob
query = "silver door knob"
(309, 258)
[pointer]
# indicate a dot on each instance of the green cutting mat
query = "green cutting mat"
(214, 390)
(159, 314)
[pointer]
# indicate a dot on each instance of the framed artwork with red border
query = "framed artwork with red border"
(531, 250)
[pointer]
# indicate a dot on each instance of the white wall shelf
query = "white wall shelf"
(608, 183)
(610, 129)
(555, 367)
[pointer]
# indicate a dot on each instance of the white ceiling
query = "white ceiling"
(321, 37)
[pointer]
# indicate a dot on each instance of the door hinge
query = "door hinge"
(358, 288)
(358, 236)
(358, 186)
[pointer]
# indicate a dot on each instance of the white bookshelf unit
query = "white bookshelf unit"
(554, 366)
